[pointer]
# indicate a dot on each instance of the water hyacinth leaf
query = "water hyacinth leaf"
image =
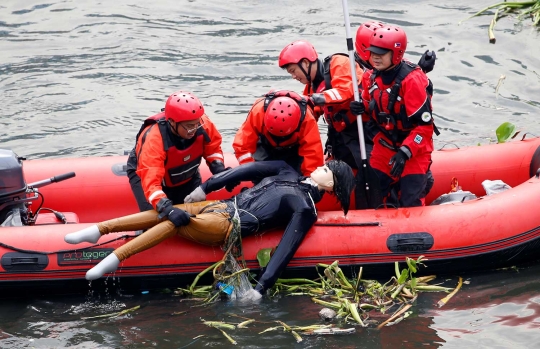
(505, 131)
(403, 277)
(263, 256)
(530, 8)
(412, 265)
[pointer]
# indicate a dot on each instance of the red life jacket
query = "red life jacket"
(396, 126)
(183, 156)
(338, 116)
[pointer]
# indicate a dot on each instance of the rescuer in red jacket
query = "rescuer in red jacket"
(164, 165)
(329, 85)
(362, 54)
(397, 98)
(280, 126)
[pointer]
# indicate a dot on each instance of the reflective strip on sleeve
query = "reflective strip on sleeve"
(216, 155)
(244, 157)
(154, 194)
(334, 94)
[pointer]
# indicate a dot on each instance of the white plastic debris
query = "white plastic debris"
(495, 187)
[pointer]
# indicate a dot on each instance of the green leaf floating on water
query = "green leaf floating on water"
(263, 256)
(505, 131)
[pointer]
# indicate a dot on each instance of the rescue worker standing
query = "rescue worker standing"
(362, 54)
(396, 98)
(329, 85)
(280, 126)
(164, 165)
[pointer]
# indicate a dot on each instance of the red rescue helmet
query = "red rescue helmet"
(282, 116)
(363, 35)
(389, 38)
(294, 52)
(183, 106)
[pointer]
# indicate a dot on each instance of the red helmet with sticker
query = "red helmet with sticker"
(282, 116)
(389, 38)
(294, 52)
(363, 35)
(183, 106)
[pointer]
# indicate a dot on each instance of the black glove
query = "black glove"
(318, 99)
(398, 163)
(357, 108)
(217, 166)
(177, 216)
(310, 102)
(427, 61)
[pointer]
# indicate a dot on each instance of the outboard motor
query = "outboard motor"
(16, 195)
(13, 210)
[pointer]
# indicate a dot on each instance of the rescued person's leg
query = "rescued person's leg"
(141, 220)
(137, 221)
(210, 227)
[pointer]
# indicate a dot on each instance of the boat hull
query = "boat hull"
(489, 232)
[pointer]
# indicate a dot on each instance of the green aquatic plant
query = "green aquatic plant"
(524, 8)
(505, 131)
(354, 303)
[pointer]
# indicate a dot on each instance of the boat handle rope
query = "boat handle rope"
(445, 144)
(528, 133)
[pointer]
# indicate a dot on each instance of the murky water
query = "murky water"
(77, 79)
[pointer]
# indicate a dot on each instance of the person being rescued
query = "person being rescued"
(170, 147)
(281, 199)
(397, 98)
(280, 126)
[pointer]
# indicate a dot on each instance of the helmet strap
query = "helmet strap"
(308, 73)
(174, 129)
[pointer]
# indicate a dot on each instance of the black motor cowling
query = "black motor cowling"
(12, 188)
(12, 181)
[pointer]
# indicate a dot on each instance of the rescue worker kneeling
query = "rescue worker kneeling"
(170, 146)
(280, 126)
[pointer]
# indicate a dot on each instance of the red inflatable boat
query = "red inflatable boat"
(480, 233)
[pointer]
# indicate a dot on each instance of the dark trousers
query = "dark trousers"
(345, 146)
(409, 191)
(290, 156)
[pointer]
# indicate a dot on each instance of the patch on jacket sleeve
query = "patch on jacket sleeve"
(418, 139)
(426, 117)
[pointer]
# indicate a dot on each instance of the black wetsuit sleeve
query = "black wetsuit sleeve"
(301, 221)
(254, 171)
